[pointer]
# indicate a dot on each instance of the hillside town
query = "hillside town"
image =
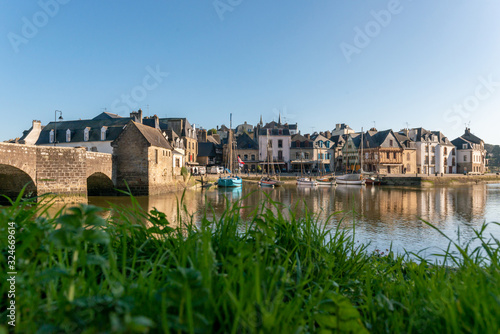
(337, 150)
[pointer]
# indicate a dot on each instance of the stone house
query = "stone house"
(342, 130)
(142, 159)
(435, 152)
(471, 153)
(178, 150)
(209, 149)
(382, 152)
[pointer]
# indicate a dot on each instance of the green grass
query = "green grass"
(81, 273)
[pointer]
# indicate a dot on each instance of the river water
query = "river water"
(381, 216)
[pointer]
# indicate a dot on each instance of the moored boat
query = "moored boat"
(305, 181)
(326, 181)
(229, 181)
(350, 179)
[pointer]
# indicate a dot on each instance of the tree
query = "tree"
(212, 132)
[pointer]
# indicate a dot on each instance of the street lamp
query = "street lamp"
(55, 124)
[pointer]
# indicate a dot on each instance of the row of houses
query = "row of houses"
(275, 145)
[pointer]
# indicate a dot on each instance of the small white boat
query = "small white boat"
(305, 181)
(326, 181)
(350, 179)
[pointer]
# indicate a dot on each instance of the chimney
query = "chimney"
(467, 131)
(337, 126)
(37, 125)
(136, 116)
(157, 121)
(203, 136)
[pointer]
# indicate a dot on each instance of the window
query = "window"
(103, 133)
(306, 156)
(280, 143)
(253, 157)
(156, 156)
(394, 155)
(445, 151)
(464, 146)
(391, 143)
(68, 135)
(426, 160)
(388, 155)
(297, 143)
(433, 160)
(51, 136)
(280, 155)
(320, 144)
(465, 158)
(319, 156)
(367, 155)
(433, 149)
(327, 144)
(445, 161)
(245, 157)
(297, 155)
(86, 134)
(177, 162)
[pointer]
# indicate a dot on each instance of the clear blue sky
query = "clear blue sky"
(255, 57)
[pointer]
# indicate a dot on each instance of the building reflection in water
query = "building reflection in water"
(383, 216)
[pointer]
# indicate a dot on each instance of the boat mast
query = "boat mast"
(230, 142)
(361, 167)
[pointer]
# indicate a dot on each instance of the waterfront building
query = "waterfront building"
(435, 152)
(143, 160)
(244, 128)
(351, 152)
(277, 138)
(471, 153)
(248, 151)
(338, 142)
(382, 152)
(409, 151)
(301, 153)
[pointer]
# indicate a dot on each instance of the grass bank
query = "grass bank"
(81, 273)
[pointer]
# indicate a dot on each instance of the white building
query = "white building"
(435, 152)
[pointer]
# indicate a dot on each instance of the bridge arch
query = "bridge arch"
(100, 184)
(12, 181)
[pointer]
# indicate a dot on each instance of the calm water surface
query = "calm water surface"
(381, 215)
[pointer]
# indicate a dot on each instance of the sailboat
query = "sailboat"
(325, 180)
(304, 181)
(230, 180)
(354, 179)
(268, 181)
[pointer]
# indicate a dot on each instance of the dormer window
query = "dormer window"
(464, 146)
(68, 135)
(86, 134)
(51, 136)
(103, 132)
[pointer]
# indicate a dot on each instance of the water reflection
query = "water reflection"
(384, 216)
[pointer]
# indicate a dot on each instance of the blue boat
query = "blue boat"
(229, 181)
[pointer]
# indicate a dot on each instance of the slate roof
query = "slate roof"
(106, 115)
(274, 132)
(404, 140)
(338, 139)
(376, 139)
(152, 135)
(206, 150)
(77, 128)
(302, 141)
(245, 142)
(470, 138)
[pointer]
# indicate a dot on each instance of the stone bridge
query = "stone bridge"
(70, 172)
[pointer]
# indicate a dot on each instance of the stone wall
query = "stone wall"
(130, 162)
(160, 170)
(62, 171)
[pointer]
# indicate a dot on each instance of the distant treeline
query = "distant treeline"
(493, 155)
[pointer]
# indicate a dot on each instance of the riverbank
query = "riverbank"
(419, 180)
(82, 272)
